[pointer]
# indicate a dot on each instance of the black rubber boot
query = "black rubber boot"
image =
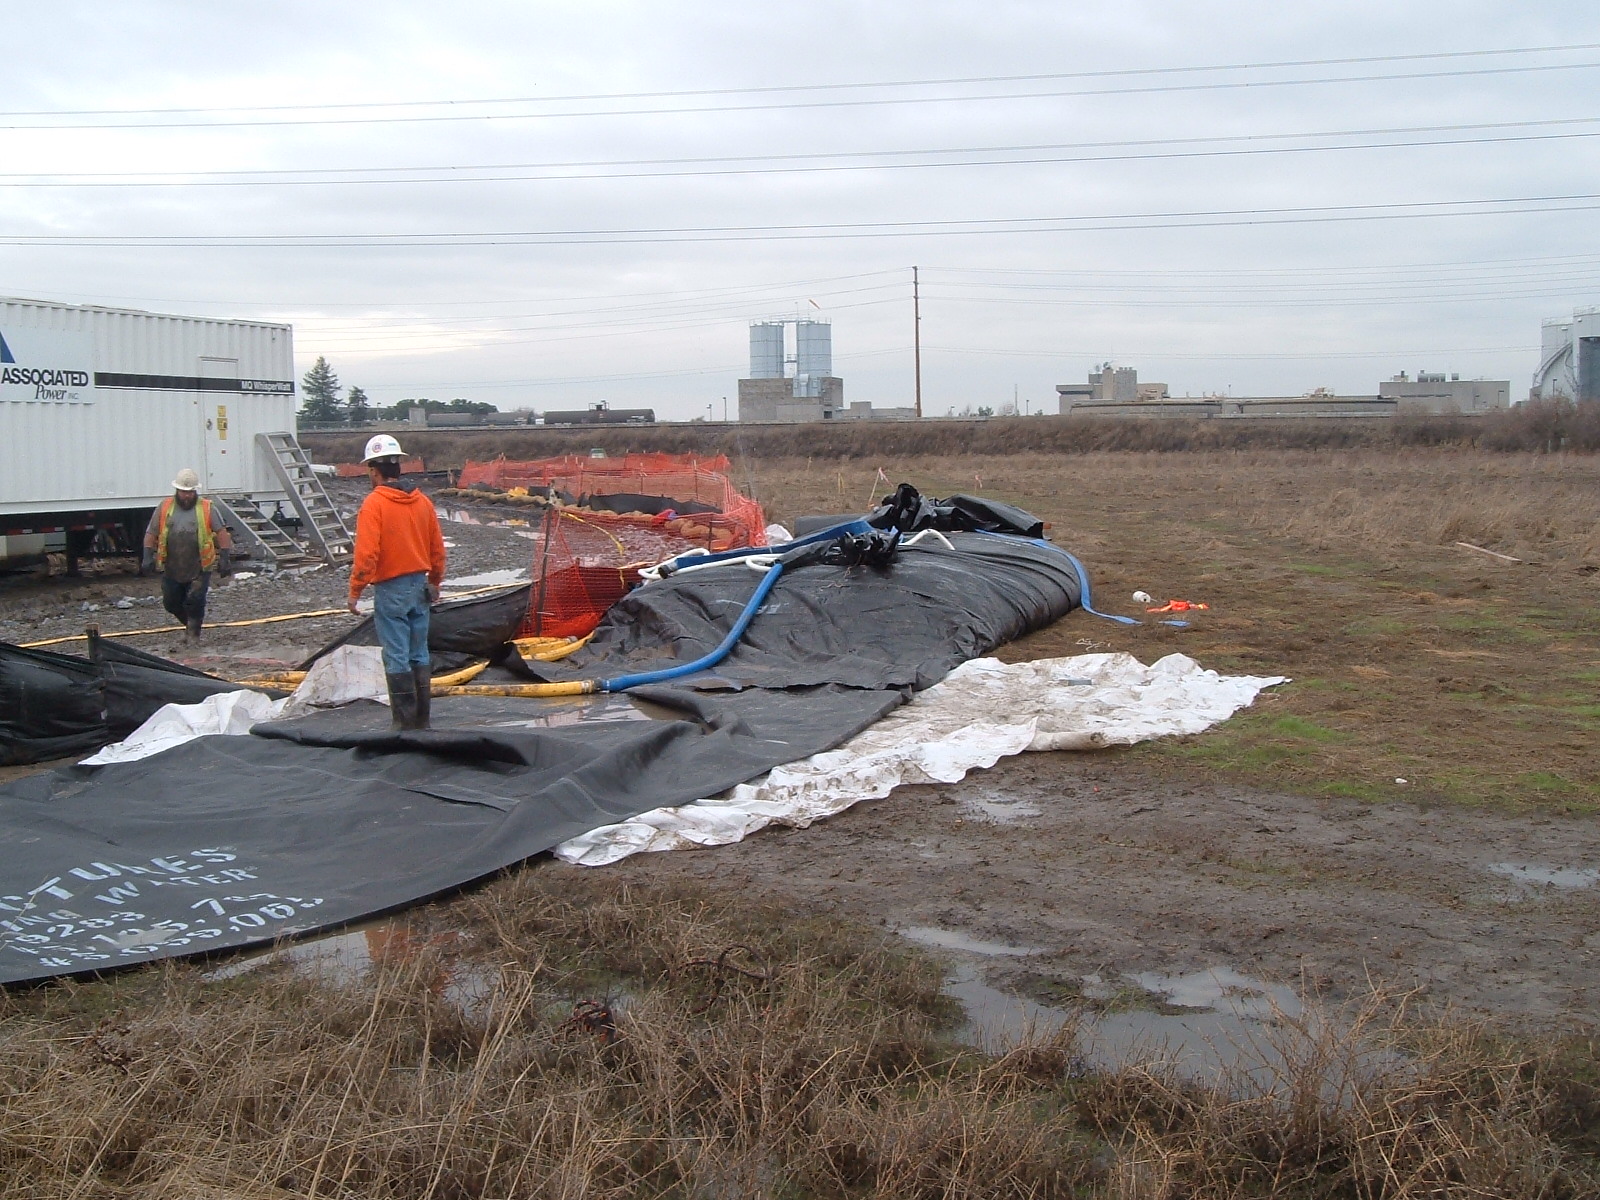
(403, 700)
(422, 679)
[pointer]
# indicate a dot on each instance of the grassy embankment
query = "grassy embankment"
(821, 1067)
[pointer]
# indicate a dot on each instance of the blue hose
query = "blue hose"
(623, 682)
(1084, 601)
(822, 535)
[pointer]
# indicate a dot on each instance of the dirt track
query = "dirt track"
(1182, 856)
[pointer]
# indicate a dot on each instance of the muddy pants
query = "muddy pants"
(186, 601)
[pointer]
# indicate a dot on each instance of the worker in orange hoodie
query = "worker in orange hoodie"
(400, 552)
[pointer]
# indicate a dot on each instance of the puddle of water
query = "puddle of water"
(996, 808)
(462, 517)
(348, 956)
(558, 711)
(955, 939)
(504, 576)
(1204, 1045)
(997, 1020)
(1224, 1035)
(1538, 873)
(1224, 990)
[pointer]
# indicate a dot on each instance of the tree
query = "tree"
(356, 406)
(320, 388)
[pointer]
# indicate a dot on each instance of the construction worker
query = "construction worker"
(186, 540)
(400, 552)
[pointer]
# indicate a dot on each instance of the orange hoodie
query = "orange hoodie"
(397, 533)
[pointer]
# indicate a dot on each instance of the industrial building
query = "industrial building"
(1119, 385)
(772, 394)
(1433, 394)
(1116, 392)
(1569, 358)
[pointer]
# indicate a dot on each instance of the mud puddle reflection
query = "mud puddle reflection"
(351, 955)
(990, 807)
(1545, 875)
(1226, 1034)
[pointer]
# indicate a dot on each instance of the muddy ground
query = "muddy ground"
(1283, 845)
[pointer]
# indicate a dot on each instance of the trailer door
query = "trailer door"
(225, 456)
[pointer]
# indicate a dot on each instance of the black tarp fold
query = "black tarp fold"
(311, 823)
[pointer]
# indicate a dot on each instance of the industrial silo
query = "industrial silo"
(766, 350)
(813, 348)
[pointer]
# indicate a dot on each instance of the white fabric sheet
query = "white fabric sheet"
(983, 711)
(346, 674)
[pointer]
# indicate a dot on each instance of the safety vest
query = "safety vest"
(208, 542)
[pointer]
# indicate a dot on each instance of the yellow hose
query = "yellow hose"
(548, 649)
(455, 678)
(122, 633)
(525, 691)
(320, 612)
(289, 680)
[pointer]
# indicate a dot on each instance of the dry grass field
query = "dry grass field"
(766, 1038)
(815, 1067)
(1472, 678)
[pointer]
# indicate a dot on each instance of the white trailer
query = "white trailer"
(101, 407)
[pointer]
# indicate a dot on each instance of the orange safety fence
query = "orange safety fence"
(585, 558)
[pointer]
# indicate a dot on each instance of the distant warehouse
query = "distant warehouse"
(600, 414)
(1116, 392)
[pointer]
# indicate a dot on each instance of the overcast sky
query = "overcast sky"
(547, 204)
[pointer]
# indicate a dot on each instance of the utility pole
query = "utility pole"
(916, 335)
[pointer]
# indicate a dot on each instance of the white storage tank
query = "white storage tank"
(766, 350)
(100, 407)
(813, 353)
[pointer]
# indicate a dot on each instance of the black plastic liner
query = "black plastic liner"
(480, 626)
(51, 705)
(636, 502)
(57, 705)
(232, 841)
(908, 511)
(906, 626)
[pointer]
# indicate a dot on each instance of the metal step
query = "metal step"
(254, 530)
(322, 525)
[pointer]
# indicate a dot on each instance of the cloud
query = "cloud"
(604, 270)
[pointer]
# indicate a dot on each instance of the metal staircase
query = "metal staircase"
(320, 521)
(268, 542)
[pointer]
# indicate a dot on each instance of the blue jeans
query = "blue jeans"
(400, 611)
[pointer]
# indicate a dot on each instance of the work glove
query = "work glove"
(224, 563)
(147, 564)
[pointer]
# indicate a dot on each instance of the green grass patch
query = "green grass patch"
(1299, 727)
(1356, 789)
(1549, 783)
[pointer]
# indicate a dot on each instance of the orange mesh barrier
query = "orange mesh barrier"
(408, 466)
(587, 559)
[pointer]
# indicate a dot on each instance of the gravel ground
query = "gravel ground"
(36, 607)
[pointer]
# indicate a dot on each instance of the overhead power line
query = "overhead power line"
(817, 161)
(864, 102)
(958, 81)
(1202, 218)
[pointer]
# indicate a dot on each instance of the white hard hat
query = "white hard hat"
(383, 446)
(186, 481)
